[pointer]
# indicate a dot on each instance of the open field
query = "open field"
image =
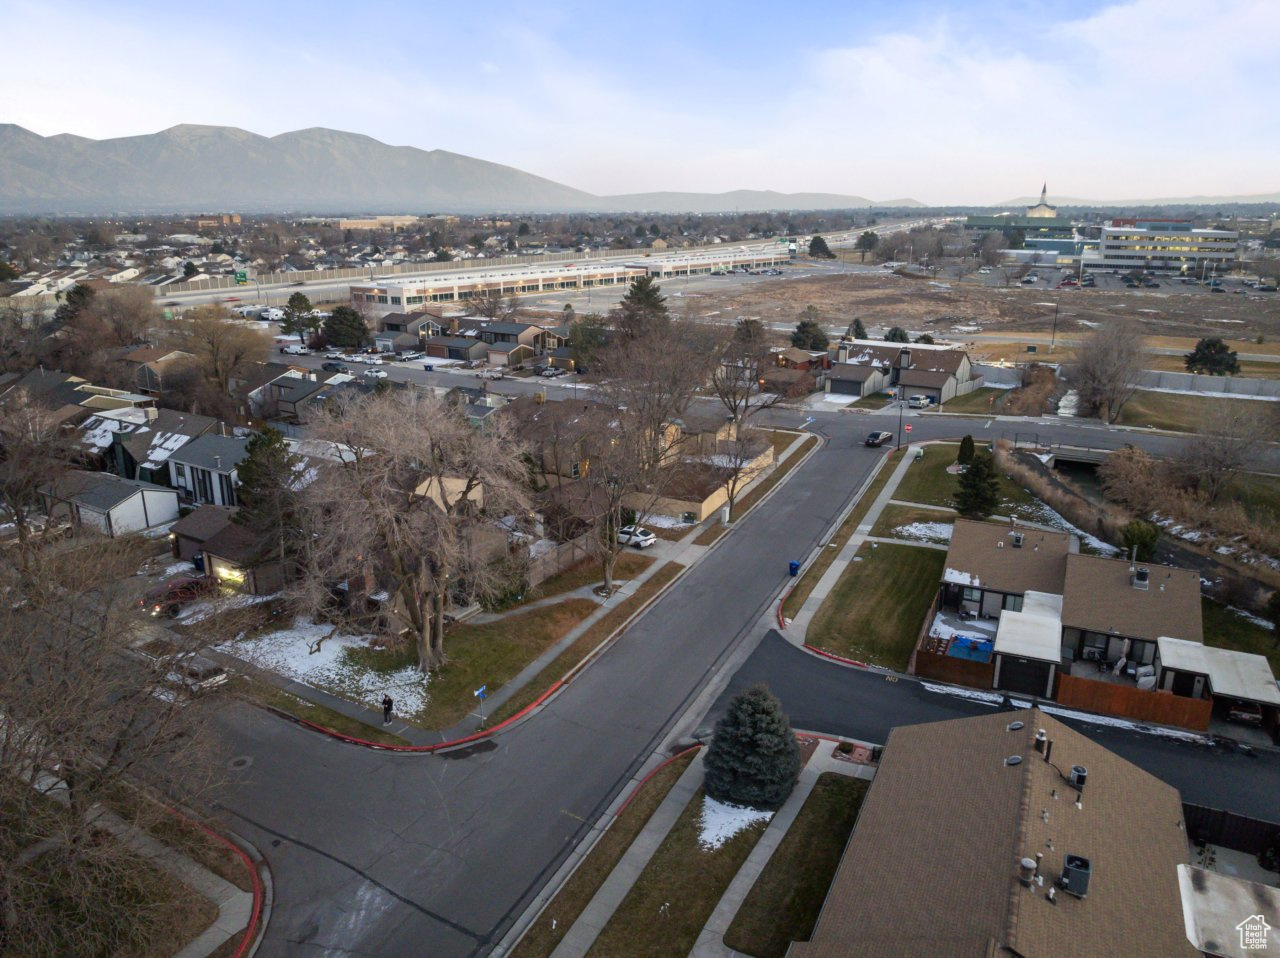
(783, 904)
(1179, 412)
(875, 611)
(1249, 368)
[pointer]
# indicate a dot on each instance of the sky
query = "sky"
(962, 102)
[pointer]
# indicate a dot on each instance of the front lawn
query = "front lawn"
(983, 400)
(1229, 630)
(784, 903)
(575, 894)
(929, 483)
(629, 564)
(1179, 412)
(895, 517)
(875, 611)
(263, 693)
(491, 654)
(670, 902)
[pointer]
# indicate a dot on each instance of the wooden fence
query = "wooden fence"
(1213, 825)
(948, 668)
(556, 560)
(1164, 708)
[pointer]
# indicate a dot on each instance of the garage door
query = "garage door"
(845, 388)
(1023, 675)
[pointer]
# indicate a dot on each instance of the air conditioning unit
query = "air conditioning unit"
(1017, 540)
(1078, 776)
(1076, 872)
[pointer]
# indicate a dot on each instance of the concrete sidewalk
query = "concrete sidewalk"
(796, 628)
(710, 942)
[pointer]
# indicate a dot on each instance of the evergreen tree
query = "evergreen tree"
(859, 330)
(866, 243)
(897, 335)
(297, 318)
(818, 247)
(754, 759)
(749, 331)
(346, 328)
(268, 492)
(643, 309)
(74, 302)
(966, 451)
(1212, 356)
(1140, 538)
(809, 335)
(925, 339)
(979, 490)
(189, 269)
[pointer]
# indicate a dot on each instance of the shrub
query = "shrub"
(966, 451)
(754, 759)
(1140, 538)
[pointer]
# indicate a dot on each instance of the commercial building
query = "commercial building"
(1162, 246)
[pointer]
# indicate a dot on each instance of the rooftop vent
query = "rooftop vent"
(1078, 776)
(1041, 738)
(1027, 872)
(1014, 727)
(1076, 872)
(1141, 579)
(1017, 540)
(1013, 760)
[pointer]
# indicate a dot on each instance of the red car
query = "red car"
(168, 597)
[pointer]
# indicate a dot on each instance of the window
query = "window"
(1013, 603)
(575, 471)
(972, 595)
(180, 471)
(227, 489)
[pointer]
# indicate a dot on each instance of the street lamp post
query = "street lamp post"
(898, 445)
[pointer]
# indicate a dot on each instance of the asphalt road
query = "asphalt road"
(865, 705)
(374, 853)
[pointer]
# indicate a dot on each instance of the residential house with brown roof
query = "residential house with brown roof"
(938, 372)
(975, 841)
(149, 364)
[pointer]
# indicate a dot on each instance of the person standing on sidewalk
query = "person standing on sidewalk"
(387, 705)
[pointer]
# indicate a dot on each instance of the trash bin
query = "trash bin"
(793, 567)
(428, 367)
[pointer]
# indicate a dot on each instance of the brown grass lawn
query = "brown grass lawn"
(491, 654)
(875, 611)
(979, 401)
(629, 564)
(784, 903)
(928, 482)
(805, 584)
(710, 534)
(1226, 630)
(584, 644)
(894, 516)
(1175, 411)
(569, 902)
(674, 896)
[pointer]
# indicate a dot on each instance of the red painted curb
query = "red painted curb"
(782, 622)
(644, 781)
(475, 736)
(833, 656)
(251, 930)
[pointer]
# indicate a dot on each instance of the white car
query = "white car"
(335, 354)
(375, 374)
(371, 360)
(636, 536)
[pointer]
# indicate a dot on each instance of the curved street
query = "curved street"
(376, 853)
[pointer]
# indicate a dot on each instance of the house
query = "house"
(939, 372)
(512, 343)
(850, 379)
(977, 839)
(108, 504)
(149, 363)
(235, 555)
(793, 358)
(788, 383)
(189, 534)
(1023, 611)
(204, 470)
(562, 436)
(459, 348)
(289, 397)
(143, 453)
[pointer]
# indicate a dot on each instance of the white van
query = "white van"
(293, 349)
(272, 315)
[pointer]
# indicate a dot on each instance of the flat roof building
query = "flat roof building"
(1161, 245)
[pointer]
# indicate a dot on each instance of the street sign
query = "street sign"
(242, 278)
(482, 693)
(907, 427)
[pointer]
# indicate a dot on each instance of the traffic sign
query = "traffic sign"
(481, 693)
(242, 278)
(907, 427)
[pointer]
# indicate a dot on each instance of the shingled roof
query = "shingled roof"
(932, 866)
(983, 554)
(1100, 596)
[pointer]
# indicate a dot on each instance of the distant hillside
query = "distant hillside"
(191, 168)
(1162, 201)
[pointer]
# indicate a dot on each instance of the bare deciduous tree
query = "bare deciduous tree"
(222, 346)
(1228, 442)
(414, 502)
(87, 721)
(33, 451)
(1108, 364)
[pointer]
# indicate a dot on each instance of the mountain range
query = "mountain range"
(191, 168)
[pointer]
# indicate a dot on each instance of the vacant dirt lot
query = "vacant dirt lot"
(967, 309)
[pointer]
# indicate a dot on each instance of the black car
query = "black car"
(878, 438)
(335, 367)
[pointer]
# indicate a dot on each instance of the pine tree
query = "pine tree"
(754, 759)
(1212, 356)
(859, 330)
(268, 491)
(643, 309)
(1140, 538)
(979, 490)
(346, 328)
(297, 318)
(966, 451)
(818, 248)
(809, 334)
(897, 335)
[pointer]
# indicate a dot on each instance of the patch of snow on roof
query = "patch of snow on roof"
(956, 577)
(164, 445)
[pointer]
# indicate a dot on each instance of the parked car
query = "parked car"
(878, 438)
(372, 360)
(335, 367)
(295, 349)
(169, 597)
(636, 536)
(196, 674)
(375, 374)
(410, 356)
(1245, 713)
(919, 402)
(335, 354)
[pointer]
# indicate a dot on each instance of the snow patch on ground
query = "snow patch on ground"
(288, 652)
(1052, 517)
(1218, 395)
(667, 522)
(177, 568)
(720, 821)
(1113, 722)
(1249, 616)
(199, 611)
(990, 698)
(926, 531)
